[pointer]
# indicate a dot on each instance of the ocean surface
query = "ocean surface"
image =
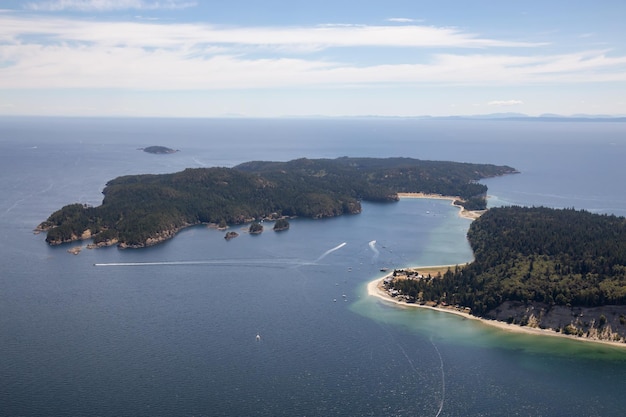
(172, 330)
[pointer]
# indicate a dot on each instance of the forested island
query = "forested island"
(142, 210)
(563, 270)
(281, 225)
(158, 150)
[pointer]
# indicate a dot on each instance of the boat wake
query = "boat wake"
(374, 249)
(443, 379)
(415, 368)
(255, 263)
(269, 263)
(325, 254)
(199, 162)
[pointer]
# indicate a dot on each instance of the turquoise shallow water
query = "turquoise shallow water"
(178, 336)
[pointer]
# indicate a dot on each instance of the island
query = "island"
(143, 210)
(255, 228)
(281, 225)
(158, 150)
(560, 270)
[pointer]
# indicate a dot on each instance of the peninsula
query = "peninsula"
(143, 210)
(563, 271)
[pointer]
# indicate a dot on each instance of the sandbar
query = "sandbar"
(466, 214)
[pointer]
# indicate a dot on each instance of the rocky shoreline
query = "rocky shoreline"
(151, 241)
(599, 323)
(170, 233)
(605, 324)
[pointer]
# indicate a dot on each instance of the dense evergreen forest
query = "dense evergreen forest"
(377, 179)
(557, 257)
(138, 210)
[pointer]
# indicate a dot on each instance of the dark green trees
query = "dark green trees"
(255, 228)
(138, 210)
(557, 257)
(281, 224)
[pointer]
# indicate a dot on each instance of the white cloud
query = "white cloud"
(505, 103)
(307, 37)
(107, 5)
(68, 66)
(401, 20)
(62, 53)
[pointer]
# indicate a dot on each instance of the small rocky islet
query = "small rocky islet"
(159, 150)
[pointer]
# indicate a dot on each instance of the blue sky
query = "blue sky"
(186, 58)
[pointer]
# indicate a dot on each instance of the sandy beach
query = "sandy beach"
(466, 214)
(375, 289)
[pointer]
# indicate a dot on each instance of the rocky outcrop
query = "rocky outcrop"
(154, 240)
(255, 228)
(231, 235)
(599, 323)
(75, 250)
(73, 238)
(110, 242)
(281, 225)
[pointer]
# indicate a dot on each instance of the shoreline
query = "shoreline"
(375, 289)
(466, 214)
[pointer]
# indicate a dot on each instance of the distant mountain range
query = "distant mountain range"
(542, 117)
(549, 117)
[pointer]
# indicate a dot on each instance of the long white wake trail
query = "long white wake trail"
(443, 379)
(276, 263)
(325, 254)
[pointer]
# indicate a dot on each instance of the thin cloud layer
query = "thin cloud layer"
(310, 38)
(505, 103)
(401, 20)
(106, 5)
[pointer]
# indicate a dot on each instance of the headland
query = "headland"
(535, 270)
(376, 288)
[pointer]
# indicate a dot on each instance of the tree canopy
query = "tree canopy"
(558, 257)
(144, 209)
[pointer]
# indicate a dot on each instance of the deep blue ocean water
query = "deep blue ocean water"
(177, 336)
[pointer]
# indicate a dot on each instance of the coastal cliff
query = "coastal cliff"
(602, 324)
